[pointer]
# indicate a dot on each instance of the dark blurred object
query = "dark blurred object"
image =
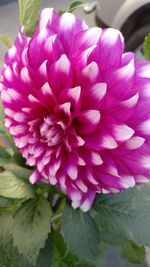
(115, 261)
(131, 17)
(6, 2)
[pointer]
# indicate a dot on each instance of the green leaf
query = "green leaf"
(101, 259)
(15, 257)
(4, 259)
(75, 5)
(29, 10)
(71, 260)
(5, 40)
(53, 254)
(45, 255)
(6, 223)
(7, 204)
(147, 47)
(4, 154)
(31, 227)
(84, 264)
(19, 159)
(6, 241)
(80, 233)
(12, 187)
(125, 216)
(132, 252)
(18, 171)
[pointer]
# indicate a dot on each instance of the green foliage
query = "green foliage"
(4, 154)
(6, 241)
(29, 10)
(17, 170)
(5, 40)
(18, 158)
(101, 259)
(13, 187)
(7, 204)
(6, 223)
(72, 7)
(147, 47)
(75, 5)
(31, 227)
(132, 252)
(4, 259)
(71, 260)
(84, 264)
(53, 252)
(80, 233)
(125, 216)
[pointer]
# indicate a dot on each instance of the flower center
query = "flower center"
(51, 132)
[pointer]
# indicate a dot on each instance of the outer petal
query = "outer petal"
(109, 49)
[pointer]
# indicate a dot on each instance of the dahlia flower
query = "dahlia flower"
(78, 108)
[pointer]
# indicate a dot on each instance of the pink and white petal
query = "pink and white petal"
(90, 74)
(91, 157)
(141, 179)
(135, 142)
(36, 53)
(60, 75)
(72, 95)
(68, 26)
(35, 177)
(72, 170)
(144, 127)
(115, 80)
(87, 201)
(100, 139)
(111, 48)
(85, 39)
(111, 181)
(143, 69)
(74, 194)
(47, 17)
(121, 110)
(122, 132)
(88, 121)
(93, 97)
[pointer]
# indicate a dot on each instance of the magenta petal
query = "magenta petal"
(86, 39)
(111, 48)
(122, 132)
(88, 201)
(72, 95)
(61, 68)
(47, 17)
(115, 80)
(94, 95)
(68, 26)
(89, 120)
(35, 177)
(142, 68)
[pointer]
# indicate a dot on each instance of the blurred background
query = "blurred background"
(132, 17)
